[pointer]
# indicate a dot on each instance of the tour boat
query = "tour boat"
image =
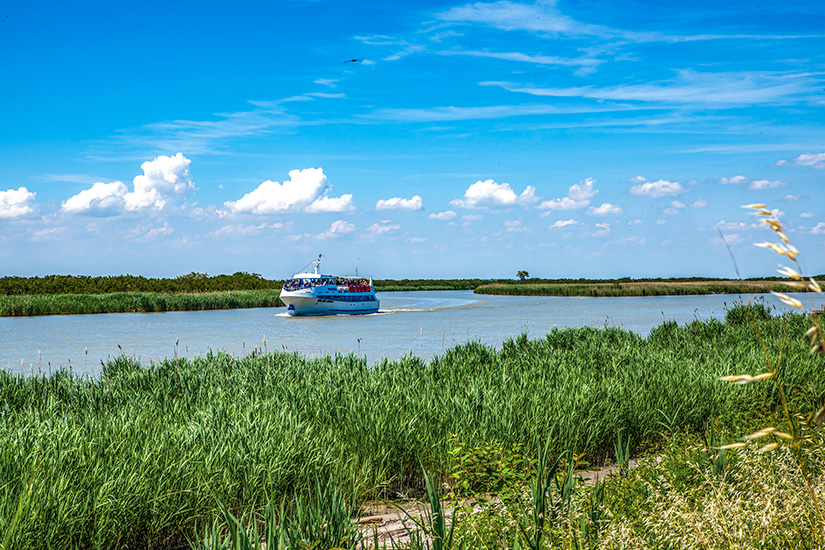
(318, 294)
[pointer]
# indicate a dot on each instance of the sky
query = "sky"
(427, 139)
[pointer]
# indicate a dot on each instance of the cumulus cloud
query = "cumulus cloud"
(383, 227)
(606, 209)
(636, 221)
(398, 203)
(578, 196)
(446, 215)
(305, 191)
(637, 179)
(15, 203)
(733, 179)
(699, 203)
(336, 229)
(658, 189)
(102, 199)
(806, 215)
(562, 223)
(163, 180)
(488, 193)
(766, 184)
(811, 160)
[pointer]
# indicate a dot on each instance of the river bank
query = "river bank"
(632, 288)
(145, 455)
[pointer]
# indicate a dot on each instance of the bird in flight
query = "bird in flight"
(352, 61)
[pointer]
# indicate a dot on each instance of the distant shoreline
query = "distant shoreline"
(36, 303)
(634, 288)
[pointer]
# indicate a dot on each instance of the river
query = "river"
(422, 323)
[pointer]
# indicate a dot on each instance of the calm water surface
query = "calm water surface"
(422, 323)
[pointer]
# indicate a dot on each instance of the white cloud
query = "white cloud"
(658, 189)
(471, 217)
(606, 209)
(562, 223)
(488, 193)
(578, 196)
(635, 239)
(818, 229)
(636, 179)
(446, 215)
(729, 239)
(142, 234)
(418, 240)
(398, 203)
(690, 87)
(806, 215)
(733, 179)
(811, 160)
(102, 199)
(792, 198)
(163, 180)
(16, 203)
(637, 221)
(766, 184)
(330, 204)
(305, 191)
(660, 222)
(699, 203)
(383, 227)
(602, 231)
(244, 230)
(678, 204)
(337, 228)
(671, 211)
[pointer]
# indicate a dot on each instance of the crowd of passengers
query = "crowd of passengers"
(298, 284)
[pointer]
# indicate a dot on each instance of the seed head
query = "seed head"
(788, 300)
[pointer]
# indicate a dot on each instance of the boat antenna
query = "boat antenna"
(318, 264)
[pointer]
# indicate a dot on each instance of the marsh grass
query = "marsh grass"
(143, 302)
(617, 289)
(143, 454)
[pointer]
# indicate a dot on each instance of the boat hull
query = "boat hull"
(308, 304)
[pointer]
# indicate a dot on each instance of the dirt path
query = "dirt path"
(387, 519)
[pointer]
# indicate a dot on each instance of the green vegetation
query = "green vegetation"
(81, 284)
(149, 456)
(617, 288)
(123, 302)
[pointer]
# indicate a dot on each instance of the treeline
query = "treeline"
(84, 284)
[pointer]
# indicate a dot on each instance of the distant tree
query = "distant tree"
(522, 275)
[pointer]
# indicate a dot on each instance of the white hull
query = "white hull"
(318, 294)
(306, 304)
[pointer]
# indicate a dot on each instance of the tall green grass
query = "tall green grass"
(122, 302)
(614, 289)
(146, 456)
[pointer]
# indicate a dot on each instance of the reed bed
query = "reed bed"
(615, 289)
(146, 456)
(143, 302)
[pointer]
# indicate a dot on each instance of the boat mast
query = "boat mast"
(318, 264)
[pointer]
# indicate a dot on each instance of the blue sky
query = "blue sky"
(569, 138)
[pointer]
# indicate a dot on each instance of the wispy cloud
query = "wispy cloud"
(691, 87)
